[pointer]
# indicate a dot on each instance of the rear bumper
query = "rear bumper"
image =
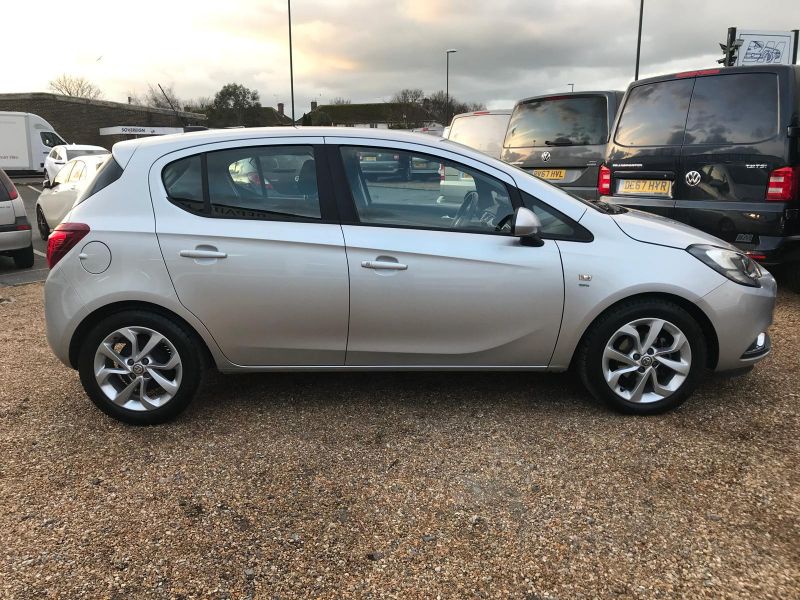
(12, 238)
(739, 315)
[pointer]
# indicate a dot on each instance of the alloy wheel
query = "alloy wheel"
(138, 368)
(646, 360)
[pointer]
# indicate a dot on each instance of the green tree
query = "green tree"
(235, 105)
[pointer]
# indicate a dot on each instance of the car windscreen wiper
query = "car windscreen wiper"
(559, 142)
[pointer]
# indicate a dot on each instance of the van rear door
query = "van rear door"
(733, 141)
(644, 156)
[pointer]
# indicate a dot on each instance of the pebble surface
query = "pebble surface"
(387, 485)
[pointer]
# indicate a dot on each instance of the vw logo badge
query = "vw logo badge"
(692, 178)
(545, 156)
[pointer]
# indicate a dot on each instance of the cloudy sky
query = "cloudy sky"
(367, 49)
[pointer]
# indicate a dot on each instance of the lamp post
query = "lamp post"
(571, 87)
(447, 85)
(291, 67)
(639, 40)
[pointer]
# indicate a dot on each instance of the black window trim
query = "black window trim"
(347, 205)
(327, 204)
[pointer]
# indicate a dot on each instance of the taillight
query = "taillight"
(782, 185)
(63, 239)
(13, 193)
(604, 181)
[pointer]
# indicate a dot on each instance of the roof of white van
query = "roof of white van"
(123, 151)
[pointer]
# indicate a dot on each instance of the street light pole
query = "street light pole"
(571, 87)
(639, 40)
(291, 66)
(447, 86)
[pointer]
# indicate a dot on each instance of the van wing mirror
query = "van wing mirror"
(525, 225)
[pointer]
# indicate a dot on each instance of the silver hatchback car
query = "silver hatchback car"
(169, 264)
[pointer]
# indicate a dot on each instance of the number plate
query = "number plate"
(645, 187)
(550, 174)
(369, 158)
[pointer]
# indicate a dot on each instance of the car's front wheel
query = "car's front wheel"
(140, 367)
(41, 223)
(644, 356)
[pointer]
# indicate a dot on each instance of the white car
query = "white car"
(59, 156)
(57, 198)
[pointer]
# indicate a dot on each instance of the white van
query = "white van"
(25, 141)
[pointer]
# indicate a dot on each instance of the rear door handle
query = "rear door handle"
(383, 264)
(203, 254)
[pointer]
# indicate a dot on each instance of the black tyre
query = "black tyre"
(644, 356)
(41, 223)
(791, 276)
(23, 259)
(140, 367)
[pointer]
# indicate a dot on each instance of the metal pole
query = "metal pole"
(291, 66)
(447, 90)
(571, 87)
(639, 40)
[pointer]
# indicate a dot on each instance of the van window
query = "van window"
(50, 139)
(655, 114)
(482, 132)
(733, 109)
(568, 120)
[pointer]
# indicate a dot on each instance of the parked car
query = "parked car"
(167, 266)
(718, 149)
(59, 156)
(562, 138)
(57, 197)
(396, 166)
(15, 230)
(25, 141)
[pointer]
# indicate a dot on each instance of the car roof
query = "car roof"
(90, 158)
(717, 71)
(605, 93)
(481, 113)
(79, 147)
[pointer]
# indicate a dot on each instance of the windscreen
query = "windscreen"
(482, 132)
(561, 121)
(76, 153)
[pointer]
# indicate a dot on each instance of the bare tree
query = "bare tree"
(340, 100)
(409, 96)
(73, 85)
(155, 98)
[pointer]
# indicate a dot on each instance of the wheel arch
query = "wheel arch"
(102, 312)
(690, 307)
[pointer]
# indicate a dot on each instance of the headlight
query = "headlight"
(733, 265)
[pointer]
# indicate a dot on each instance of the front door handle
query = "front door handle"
(203, 254)
(383, 264)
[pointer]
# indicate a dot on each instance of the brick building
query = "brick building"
(79, 120)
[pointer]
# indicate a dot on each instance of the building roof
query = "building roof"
(270, 117)
(378, 112)
(28, 96)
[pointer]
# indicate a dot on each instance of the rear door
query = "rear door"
(561, 139)
(644, 156)
(733, 141)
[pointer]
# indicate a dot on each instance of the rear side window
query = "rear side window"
(567, 120)
(5, 186)
(482, 132)
(733, 109)
(655, 114)
(108, 173)
(183, 180)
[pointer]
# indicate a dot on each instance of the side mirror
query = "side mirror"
(47, 184)
(525, 226)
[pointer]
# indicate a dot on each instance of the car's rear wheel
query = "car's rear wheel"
(140, 367)
(23, 258)
(41, 222)
(645, 356)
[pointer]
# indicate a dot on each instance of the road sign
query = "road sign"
(766, 48)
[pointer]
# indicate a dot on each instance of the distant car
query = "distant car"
(396, 166)
(57, 198)
(483, 130)
(562, 138)
(15, 231)
(59, 156)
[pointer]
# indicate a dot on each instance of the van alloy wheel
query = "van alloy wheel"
(647, 360)
(138, 368)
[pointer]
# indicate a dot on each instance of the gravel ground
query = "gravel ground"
(397, 485)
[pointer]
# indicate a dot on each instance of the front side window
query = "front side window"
(76, 153)
(392, 194)
(63, 175)
(50, 139)
(567, 121)
(53, 154)
(263, 182)
(78, 171)
(655, 114)
(733, 109)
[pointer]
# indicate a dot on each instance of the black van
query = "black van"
(718, 149)
(562, 138)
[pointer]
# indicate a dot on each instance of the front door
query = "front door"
(262, 264)
(443, 285)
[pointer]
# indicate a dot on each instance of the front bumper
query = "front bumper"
(739, 315)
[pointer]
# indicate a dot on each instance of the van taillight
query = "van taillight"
(63, 239)
(782, 185)
(604, 181)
